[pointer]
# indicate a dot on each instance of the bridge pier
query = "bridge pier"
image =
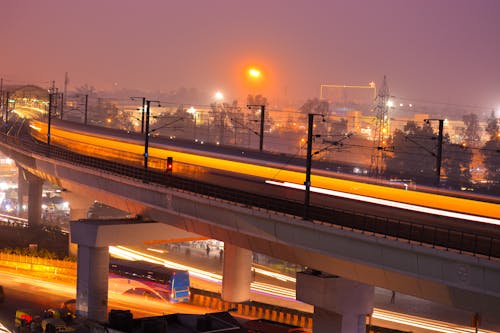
(94, 238)
(92, 282)
(79, 206)
(237, 274)
(340, 305)
(22, 190)
(35, 187)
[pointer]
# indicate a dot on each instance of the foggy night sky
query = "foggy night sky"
(438, 50)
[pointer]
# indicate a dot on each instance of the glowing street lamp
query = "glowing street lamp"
(219, 96)
(254, 73)
(192, 111)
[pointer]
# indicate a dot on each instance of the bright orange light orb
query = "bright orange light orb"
(255, 73)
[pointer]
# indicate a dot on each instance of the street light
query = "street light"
(307, 183)
(219, 96)
(192, 111)
(253, 72)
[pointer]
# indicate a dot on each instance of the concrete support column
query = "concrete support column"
(22, 191)
(92, 282)
(237, 274)
(340, 305)
(35, 187)
(79, 206)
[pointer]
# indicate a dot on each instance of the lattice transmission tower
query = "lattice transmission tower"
(381, 132)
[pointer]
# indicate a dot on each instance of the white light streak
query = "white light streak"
(389, 203)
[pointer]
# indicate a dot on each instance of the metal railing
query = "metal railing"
(431, 236)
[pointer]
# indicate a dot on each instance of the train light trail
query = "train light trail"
(389, 203)
(117, 148)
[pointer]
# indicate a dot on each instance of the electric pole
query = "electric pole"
(50, 117)
(307, 183)
(86, 108)
(146, 135)
(262, 119)
(7, 105)
(381, 128)
(439, 153)
(66, 81)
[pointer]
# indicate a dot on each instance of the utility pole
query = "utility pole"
(262, 119)
(439, 154)
(66, 81)
(62, 105)
(7, 105)
(146, 135)
(307, 183)
(53, 95)
(50, 117)
(381, 128)
(86, 108)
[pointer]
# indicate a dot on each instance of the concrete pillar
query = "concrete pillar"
(340, 305)
(35, 187)
(22, 191)
(237, 274)
(79, 207)
(92, 282)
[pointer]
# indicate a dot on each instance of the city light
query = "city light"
(255, 73)
(219, 96)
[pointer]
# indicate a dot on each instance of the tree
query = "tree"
(491, 156)
(315, 106)
(104, 113)
(472, 129)
(412, 155)
(456, 165)
(85, 90)
(492, 125)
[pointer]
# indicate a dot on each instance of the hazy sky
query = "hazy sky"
(439, 50)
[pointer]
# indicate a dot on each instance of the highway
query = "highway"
(42, 292)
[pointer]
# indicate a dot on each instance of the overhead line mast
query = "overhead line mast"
(381, 129)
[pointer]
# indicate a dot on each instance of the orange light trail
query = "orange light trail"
(389, 316)
(430, 200)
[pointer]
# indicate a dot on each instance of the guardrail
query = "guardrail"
(13, 221)
(433, 236)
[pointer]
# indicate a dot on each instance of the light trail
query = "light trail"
(118, 147)
(287, 293)
(259, 287)
(428, 324)
(389, 203)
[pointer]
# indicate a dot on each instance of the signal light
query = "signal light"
(170, 164)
